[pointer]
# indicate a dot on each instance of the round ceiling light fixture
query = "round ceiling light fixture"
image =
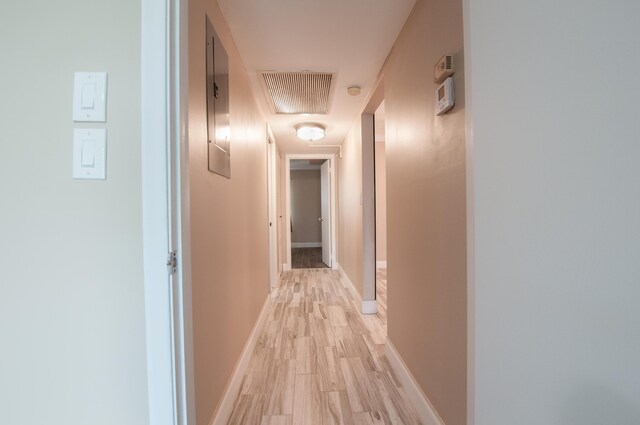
(310, 131)
(353, 90)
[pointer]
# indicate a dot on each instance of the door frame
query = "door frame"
(272, 208)
(367, 156)
(165, 211)
(325, 210)
(332, 199)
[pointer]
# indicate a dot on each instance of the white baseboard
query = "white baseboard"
(426, 412)
(381, 264)
(350, 286)
(369, 306)
(224, 410)
(306, 245)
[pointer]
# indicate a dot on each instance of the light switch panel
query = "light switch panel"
(90, 97)
(89, 153)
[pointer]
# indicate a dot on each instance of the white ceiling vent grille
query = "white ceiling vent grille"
(298, 92)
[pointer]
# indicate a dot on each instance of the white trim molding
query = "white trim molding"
(306, 244)
(224, 410)
(369, 306)
(426, 411)
(333, 197)
(381, 264)
(350, 286)
(272, 229)
(165, 215)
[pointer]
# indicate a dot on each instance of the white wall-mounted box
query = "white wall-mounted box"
(445, 96)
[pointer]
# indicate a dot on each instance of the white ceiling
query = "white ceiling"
(351, 38)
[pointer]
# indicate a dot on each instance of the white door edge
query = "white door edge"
(164, 194)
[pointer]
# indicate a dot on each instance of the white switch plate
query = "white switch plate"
(90, 153)
(90, 97)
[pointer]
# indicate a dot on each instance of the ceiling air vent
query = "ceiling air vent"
(298, 92)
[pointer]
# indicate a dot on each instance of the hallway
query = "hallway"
(318, 361)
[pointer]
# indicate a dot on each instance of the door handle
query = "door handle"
(320, 219)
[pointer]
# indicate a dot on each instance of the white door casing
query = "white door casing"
(272, 221)
(164, 217)
(369, 303)
(325, 207)
(332, 203)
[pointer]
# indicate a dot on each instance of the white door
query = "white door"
(271, 181)
(325, 208)
(167, 294)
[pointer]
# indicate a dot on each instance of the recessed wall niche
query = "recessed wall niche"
(218, 129)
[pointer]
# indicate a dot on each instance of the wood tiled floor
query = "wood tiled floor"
(307, 258)
(381, 297)
(318, 361)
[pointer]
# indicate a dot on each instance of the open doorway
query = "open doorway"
(381, 211)
(370, 237)
(310, 237)
(310, 212)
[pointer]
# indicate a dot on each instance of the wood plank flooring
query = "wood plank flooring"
(307, 258)
(318, 361)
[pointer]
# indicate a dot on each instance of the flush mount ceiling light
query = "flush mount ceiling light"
(353, 90)
(310, 131)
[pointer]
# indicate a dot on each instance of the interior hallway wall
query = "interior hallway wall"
(72, 324)
(426, 208)
(557, 206)
(381, 202)
(349, 210)
(305, 206)
(229, 219)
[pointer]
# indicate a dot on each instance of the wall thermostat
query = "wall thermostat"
(445, 96)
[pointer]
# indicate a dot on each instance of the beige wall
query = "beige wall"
(381, 202)
(229, 234)
(349, 206)
(426, 210)
(305, 206)
(72, 323)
